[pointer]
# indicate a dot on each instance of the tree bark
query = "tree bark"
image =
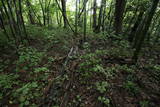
(143, 30)
(98, 28)
(63, 2)
(2, 25)
(94, 15)
(85, 20)
(30, 13)
(119, 10)
(134, 28)
(76, 18)
(22, 20)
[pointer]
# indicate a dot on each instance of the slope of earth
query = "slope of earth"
(56, 70)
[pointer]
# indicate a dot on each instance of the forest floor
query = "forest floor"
(55, 70)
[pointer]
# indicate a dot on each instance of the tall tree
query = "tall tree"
(85, 19)
(30, 12)
(22, 20)
(76, 18)
(63, 2)
(142, 31)
(42, 4)
(119, 10)
(103, 4)
(134, 28)
(94, 15)
(2, 24)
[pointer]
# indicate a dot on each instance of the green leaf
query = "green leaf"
(26, 103)
(34, 85)
(22, 99)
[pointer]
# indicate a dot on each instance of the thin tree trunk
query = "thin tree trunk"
(65, 17)
(22, 20)
(63, 2)
(103, 18)
(2, 25)
(39, 20)
(18, 22)
(144, 29)
(98, 28)
(10, 22)
(131, 20)
(85, 20)
(16, 29)
(91, 15)
(43, 12)
(154, 23)
(30, 13)
(134, 28)
(94, 15)
(57, 16)
(76, 18)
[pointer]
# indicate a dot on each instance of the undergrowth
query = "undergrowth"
(96, 75)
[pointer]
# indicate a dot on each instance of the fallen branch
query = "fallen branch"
(49, 98)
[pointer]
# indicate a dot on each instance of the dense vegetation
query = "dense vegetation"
(79, 53)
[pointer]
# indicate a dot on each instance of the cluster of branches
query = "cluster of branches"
(11, 16)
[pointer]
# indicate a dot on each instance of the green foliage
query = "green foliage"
(86, 45)
(77, 100)
(144, 103)
(26, 94)
(40, 69)
(3, 39)
(36, 31)
(131, 77)
(90, 64)
(101, 52)
(102, 86)
(104, 100)
(25, 89)
(98, 68)
(111, 71)
(50, 60)
(2, 66)
(40, 73)
(115, 52)
(124, 44)
(7, 82)
(89, 61)
(156, 67)
(126, 69)
(131, 87)
(78, 97)
(28, 57)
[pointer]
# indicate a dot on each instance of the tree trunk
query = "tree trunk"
(119, 10)
(2, 25)
(132, 20)
(85, 20)
(154, 23)
(10, 22)
(63, 2)
(103, 2)
(30, 13)
(144, 29)
(76, 18)
(94, 15)
(134, 28)
(43, 12)
(22, 20)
